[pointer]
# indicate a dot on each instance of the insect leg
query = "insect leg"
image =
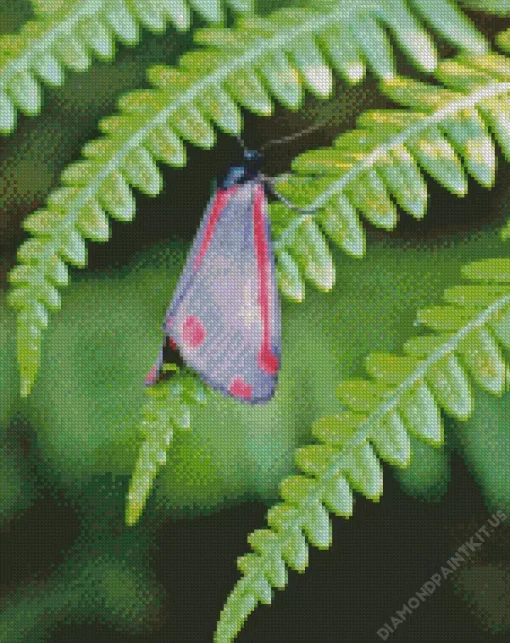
(169, 355)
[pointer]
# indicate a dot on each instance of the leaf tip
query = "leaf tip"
(133, 511)
(26, 387)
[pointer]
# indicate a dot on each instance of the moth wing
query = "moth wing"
(225, 315)
(206, 229)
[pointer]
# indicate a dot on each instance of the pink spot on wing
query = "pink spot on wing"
(193, 331)
(268, 362)
(239, 388)
(171, 343)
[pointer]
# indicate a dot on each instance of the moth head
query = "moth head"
(253, 160)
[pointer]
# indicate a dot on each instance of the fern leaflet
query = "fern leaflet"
(167, 408)
(404, 395)
(503, 40)
(244, 66)
(67, 34)
(448, 131)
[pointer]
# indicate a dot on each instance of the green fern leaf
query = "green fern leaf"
(167, 408)
(206, 89)
(445, 132)
(67, 34)
(449, 24)
(404, 396)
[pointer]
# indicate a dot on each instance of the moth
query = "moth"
(224, 319)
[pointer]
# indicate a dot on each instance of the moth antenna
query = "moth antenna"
(303, 132)
(241, 142)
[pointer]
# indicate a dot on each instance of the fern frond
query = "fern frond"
(263, 58)
(167, 408)
(67, 34)
(448, 132)
(404, 396)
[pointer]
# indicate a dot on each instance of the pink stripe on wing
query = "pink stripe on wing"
(152, 375)
(221, 198)
(268, 361)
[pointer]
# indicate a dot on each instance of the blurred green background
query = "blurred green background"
(71, 570)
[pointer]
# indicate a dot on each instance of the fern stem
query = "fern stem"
(188, 96)
(257, 577)
(486, 92)
(406, 385)
(185, 98)
(79, 29)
